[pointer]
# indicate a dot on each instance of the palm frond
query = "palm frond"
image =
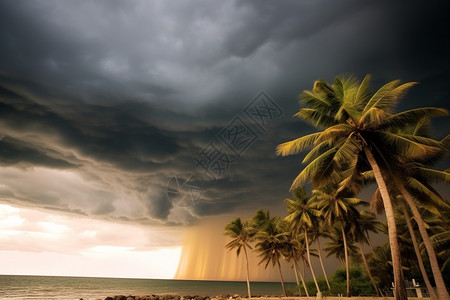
(297, 145)
(333, 132)
(362, 95)
(315, 117)
(415, 116)
(317, 169)
(387, 96)
(348, 152)
(433, 175)
(411, 146)
(433, 200)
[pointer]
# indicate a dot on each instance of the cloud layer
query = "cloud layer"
(103, 103)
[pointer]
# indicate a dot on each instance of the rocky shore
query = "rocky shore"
(172, 297)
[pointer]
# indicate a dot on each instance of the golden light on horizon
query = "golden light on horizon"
(204, 256)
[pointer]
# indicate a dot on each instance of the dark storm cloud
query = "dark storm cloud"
(15, 152)
(125, 94)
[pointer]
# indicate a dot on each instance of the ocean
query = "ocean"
(54, 287)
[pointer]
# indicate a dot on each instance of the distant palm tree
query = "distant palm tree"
(335, 208)
(293, 252)
(300, 217)
(318, 231)
(335, 246)
(381, 265)
(260, 220)
(271, 243)
(360, 226)
(359, 126)
(242, 235)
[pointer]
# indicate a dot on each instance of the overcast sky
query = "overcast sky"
(102, 103)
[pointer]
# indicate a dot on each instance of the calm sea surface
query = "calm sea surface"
(49, 287)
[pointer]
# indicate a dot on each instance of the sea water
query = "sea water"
(54, 287)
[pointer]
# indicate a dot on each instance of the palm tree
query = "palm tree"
(335, 246)
(359, 125)
(440, 238)
(336, 208)
(409, 199)
(260, 220)
(406, 217)
(271, 243)
(300, 216)
(242, 235)
(293, 252)
(316, 232)
(361, 224)
(380, 263)
(413, 176)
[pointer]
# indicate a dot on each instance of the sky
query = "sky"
(126, 124)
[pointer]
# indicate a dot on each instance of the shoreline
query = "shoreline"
(238, 297)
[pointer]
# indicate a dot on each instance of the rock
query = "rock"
(120, 297)
(109, 298)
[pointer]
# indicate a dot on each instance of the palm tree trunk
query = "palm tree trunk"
(296, 279)
(321, 263)
(282, 280)
(347, 267)
(399, 285)
(302, 278)
(418, 255)
(440, 283)
(248, 280)
(361, 250)
(319, 293)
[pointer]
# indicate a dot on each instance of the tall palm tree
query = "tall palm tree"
(293, 252)
(414, 176)
(241, 237)
(336, 208)
(381, 265)
(412, 234)
(359, 125)
(271, 243)
(409, 199)
(335, 246)
(300, 216)
(441, 238)
(316, 232)
(361, 224)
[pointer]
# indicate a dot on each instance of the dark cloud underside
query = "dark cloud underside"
(111, 99)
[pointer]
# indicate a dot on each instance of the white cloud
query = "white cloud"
(84, 247)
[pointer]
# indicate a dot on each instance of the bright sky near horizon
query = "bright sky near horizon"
(103, 103)
(42, 243)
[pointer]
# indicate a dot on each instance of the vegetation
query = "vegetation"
(241, 235)
(362, 140)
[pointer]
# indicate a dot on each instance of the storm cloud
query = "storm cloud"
(102, 103)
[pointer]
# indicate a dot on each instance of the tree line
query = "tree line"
(362, 140)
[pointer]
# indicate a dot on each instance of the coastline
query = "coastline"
(238, 297)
